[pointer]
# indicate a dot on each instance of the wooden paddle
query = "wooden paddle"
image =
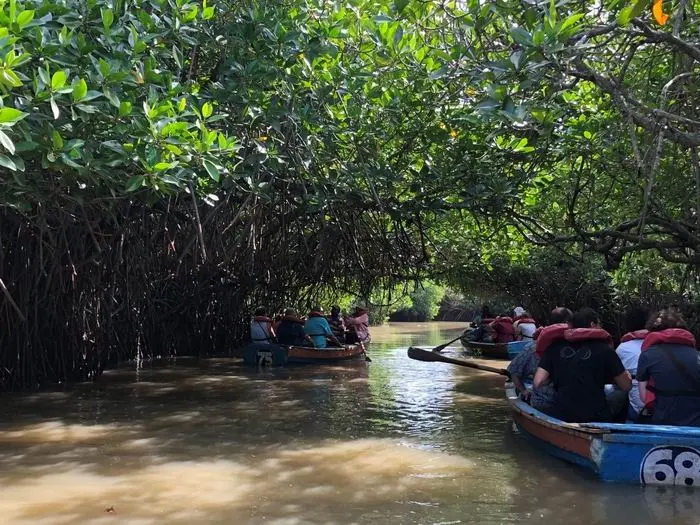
(448, 343)
(426, 355)
(364, 351)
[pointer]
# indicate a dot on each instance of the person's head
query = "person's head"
(636, 318)
(560, 315)
(667, 318)
(290, 312)
(518, 311)
(260, 312)
(318, 308)
(335, 310)
(585, 318)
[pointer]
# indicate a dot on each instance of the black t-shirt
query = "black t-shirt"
(579, 372)
(290, 332)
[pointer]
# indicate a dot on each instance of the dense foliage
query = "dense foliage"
(168, 164)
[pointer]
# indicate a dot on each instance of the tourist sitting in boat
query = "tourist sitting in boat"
(629, 350)
(318, 329)
(503, 331)
(669, 369)
(290, 330)
(579, 371)
(358, 326)
(524, 365)
(261, 331)
(524, 325)
(337, 323)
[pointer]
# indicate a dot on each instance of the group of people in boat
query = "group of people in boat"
(315, 330)
(577, 375)
(505, 328)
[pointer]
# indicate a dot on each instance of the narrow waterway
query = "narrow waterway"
(393, 441)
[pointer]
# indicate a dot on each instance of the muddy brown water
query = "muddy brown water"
(393, 441)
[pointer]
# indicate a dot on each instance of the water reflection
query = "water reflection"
(392, 441)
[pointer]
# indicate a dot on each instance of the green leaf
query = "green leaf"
(631, 11)
(57, 140)
(80, 89)
(24, 18)
(182, 104)
(207, 110)
(125, 108)
(8, 163)
(11, 115)
(212, 170)
(208, 13)
(10, 78)
(107, 18)
(54, 109)
(570, 21)
(7, 142)
(588, 134)
(521, 36)
(58, 80)
(135, 182)
(105, 68)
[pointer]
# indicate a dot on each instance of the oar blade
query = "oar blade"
(420, 354)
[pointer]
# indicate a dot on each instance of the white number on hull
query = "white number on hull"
(671, 466)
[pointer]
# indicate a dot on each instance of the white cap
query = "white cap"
(518, 311)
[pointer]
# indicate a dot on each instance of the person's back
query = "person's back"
(261, 328)
(290, 330)
(503, 331)
(524, 327)
(580, 372)
(317, 328)
(670, 359)
(579, 367)
(359, 324)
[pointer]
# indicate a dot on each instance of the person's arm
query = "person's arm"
(516, 368)
(643, 376)
(541, 377)
(616, 372)
(623, 381)
(643, 391)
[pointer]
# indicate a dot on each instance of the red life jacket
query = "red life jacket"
(677, 336)
(575, 335)
(547, 335)
(503, 326)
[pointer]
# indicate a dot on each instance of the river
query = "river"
(393, 441)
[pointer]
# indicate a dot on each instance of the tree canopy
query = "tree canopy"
(168, 164)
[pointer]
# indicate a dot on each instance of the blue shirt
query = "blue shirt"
(677, 394)
(318, 328)
(524, 366)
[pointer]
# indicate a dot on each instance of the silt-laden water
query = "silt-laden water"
(394, 441)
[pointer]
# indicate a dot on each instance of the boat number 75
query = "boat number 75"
(671, 466)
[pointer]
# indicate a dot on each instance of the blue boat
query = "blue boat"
(495, 350)
(619, 453)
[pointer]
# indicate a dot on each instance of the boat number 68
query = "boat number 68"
(671, 466)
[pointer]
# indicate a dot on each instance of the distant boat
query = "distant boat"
(279, 355)
(495, 350)
(615, 452)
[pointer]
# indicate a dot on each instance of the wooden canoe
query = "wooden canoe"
(495, 350)
(278, 355)
(615, 452)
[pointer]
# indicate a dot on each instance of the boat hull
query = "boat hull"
(619, 453)
(495, 350)
(278, 355)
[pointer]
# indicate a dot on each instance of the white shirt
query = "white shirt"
(628, 353)
(526, 330)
